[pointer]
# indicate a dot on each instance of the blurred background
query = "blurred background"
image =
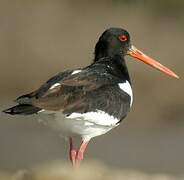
(40, 38)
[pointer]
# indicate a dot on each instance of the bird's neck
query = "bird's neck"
(117, 65)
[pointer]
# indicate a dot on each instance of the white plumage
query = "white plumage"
(76, 71)
(55, 85)
(87, 125)
(127, 88)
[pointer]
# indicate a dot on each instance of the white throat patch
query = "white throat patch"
(127, 88)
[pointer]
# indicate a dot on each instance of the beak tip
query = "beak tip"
(177, 77)
(172, 74)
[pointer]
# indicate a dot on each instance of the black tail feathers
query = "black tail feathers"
(22, 109)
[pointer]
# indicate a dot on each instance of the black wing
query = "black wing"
(44, 88)
(25, 106)
(91, 89)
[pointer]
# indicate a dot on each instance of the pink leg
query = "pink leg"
(80, 153)
(72, 152)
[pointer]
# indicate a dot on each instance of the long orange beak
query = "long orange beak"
(134, 52)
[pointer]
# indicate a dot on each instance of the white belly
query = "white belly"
(87, 125)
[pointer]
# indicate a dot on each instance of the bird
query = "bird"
(90, 101)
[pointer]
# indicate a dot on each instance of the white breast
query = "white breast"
(127, 88)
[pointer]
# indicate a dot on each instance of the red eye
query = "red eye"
(123, 38)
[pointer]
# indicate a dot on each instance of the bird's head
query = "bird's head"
(116, 41)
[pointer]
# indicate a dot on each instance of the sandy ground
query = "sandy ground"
(87, 171)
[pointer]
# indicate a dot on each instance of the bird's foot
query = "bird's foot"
(73, 154)
(80, 153)
(76, 156)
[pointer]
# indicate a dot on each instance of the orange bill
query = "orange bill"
(134, 52)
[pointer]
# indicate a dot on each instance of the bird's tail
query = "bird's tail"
(22, 109)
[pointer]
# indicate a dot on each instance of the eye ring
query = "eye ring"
(123, 38)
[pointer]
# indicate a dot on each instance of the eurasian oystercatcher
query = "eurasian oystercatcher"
(90, 101)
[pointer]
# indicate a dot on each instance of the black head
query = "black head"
(114, 41)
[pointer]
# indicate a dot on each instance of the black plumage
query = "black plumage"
(94, 87)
